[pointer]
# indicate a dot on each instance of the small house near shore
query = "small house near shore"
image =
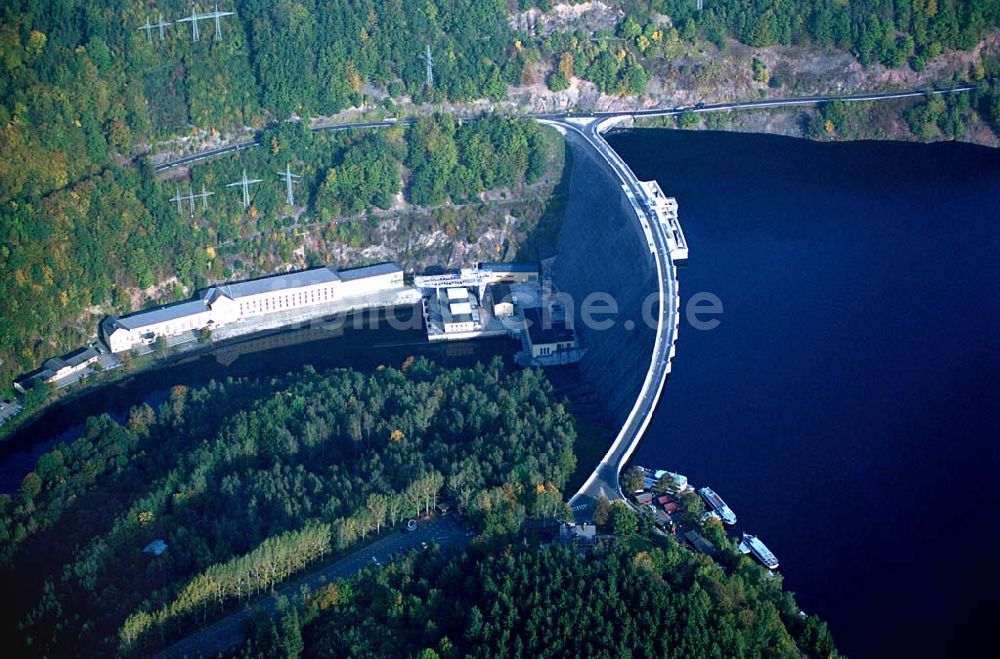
(58, 368)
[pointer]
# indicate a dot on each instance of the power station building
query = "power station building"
(550, 340)
(231, 303)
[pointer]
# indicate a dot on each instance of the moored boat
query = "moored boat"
(751, 544)
(718, 505)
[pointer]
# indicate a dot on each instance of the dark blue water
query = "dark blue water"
(846, 407)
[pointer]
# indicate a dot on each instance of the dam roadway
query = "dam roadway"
(604, 480)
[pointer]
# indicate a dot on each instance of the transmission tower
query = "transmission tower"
(287, 177)
(149, 27)
(179, 198)
(195, 17)
(429, 66)
(204, 198)
(245, 183)
(190, 197)
(217, 15)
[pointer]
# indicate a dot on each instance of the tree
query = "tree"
(602, 510)
(557, 82)
(760, 72)
(687, 119)
(623, 520)
(694, 508)
(31, 485)
(633, 480)
(378, 506)
(835, 113)
(667, 483)
(395, 508)
(646, 522)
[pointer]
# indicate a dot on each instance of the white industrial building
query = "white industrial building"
(460, 313)
(58, 368)
(231, 303)
(458, 293)
(664, 209)
(502, 300)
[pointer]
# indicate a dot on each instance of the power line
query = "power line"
(149, 27)
(217, 15)
(190, 197)
(178, 198)
(193, 19)
(204, 197)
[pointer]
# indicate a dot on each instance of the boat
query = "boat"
(718, 505)
(751, 544)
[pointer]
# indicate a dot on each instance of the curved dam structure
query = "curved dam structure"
(618, 247)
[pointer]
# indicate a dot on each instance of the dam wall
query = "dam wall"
(603, 250)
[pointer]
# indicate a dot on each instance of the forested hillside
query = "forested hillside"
(889, 31)
(86, 94)
(659, 601)
(245, 472)
(81, 252)
(81, 84)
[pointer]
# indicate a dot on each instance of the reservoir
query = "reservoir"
(846, 406)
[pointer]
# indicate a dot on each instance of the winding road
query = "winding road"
(227, 632)
(558, 117)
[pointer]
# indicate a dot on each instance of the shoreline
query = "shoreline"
(180, 352)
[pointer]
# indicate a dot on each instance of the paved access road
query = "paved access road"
(195, 157)
(653, 112)
(227, 632)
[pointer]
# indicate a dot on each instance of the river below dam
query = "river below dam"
(363, 341)
(846, 406)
